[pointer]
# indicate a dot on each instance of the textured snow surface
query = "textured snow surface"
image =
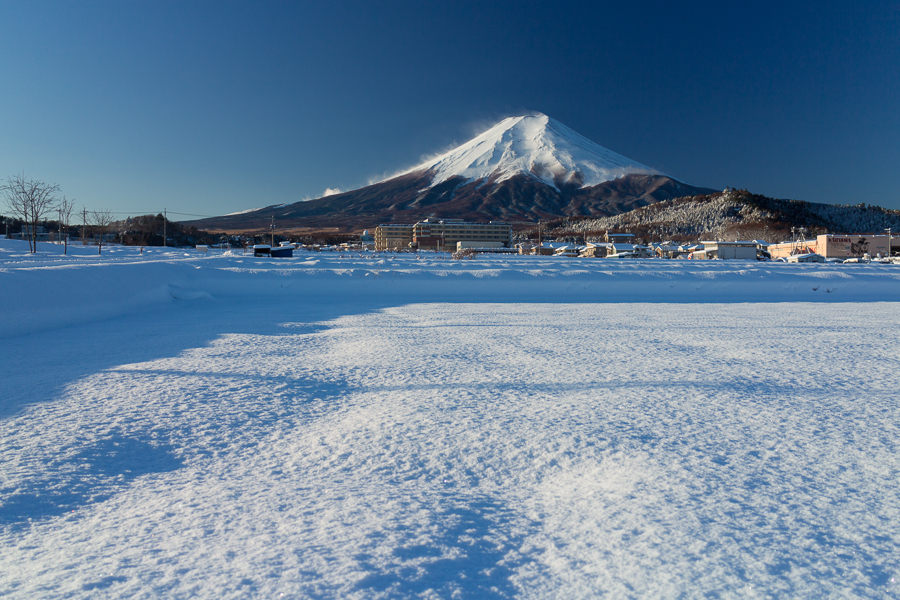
(536, 146)
(254, 427)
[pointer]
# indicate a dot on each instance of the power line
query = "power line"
(192, 215)
(150, 212)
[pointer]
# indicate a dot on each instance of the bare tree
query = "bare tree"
(31, 200)
(102, 220)
(65, 209)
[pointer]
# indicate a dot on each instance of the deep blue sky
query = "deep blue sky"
(214, 107)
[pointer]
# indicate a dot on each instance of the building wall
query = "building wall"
(785, 249)
(852, 246)
(595, 252)
(393, 237)
(477, 244)
(435, 234)
(834, 246)
(726, 251)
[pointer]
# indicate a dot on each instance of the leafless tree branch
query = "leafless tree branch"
(31, 200)
(102, 220)
(65, 208)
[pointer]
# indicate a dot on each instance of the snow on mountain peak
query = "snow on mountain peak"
(536, 146)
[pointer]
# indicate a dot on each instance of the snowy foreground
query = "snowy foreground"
(181, 425)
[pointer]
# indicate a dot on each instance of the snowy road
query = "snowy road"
(241, 445)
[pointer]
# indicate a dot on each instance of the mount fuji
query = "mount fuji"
(533, 146)
(522, 169)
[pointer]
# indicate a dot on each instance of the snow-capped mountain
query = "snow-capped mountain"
(535, 146)
(524, 168)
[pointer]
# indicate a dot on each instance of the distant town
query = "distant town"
(467, 239)
(729, 225)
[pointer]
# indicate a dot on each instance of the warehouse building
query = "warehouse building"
(727, 251)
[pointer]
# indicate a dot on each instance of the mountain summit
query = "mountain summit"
(522, 169)
(535, 146)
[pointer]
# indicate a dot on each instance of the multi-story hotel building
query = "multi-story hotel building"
(442, 234)
(393, 237)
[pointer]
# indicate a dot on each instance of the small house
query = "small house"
(595, 250)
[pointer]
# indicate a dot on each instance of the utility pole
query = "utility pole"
(889, 241)
(273, 231)
(165, 218)
(83, 225)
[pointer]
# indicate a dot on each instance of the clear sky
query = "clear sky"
(213, 107)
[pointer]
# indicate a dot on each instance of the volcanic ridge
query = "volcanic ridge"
(523, 169)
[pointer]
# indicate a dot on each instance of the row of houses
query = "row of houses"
(589, 250)
(703, 251)
(456, 234)
(823, 247)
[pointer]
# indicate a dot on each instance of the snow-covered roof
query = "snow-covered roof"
(740, 244)
(808, 257)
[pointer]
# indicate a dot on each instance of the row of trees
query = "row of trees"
(32, 201)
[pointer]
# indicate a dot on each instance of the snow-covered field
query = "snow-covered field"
(179, 425)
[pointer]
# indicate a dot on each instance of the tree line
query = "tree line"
(32, 204)
(31, 201)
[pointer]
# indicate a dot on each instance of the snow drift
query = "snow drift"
(401, 427)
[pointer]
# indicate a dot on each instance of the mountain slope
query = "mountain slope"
(535, 146)
(733, 215)
(522, 169)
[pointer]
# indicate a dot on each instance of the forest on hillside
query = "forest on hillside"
(728, 216)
